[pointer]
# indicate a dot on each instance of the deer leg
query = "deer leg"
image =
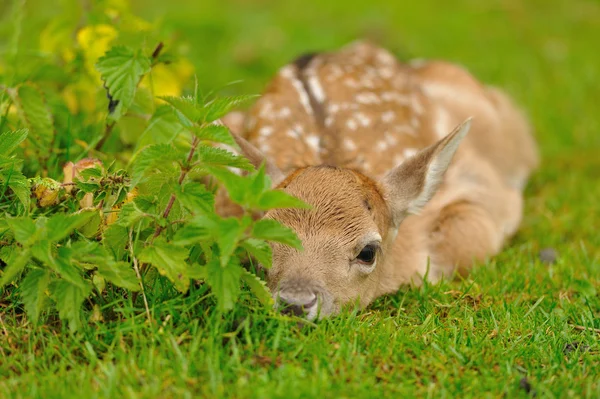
(463, 233)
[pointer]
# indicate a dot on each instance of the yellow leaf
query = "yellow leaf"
(169, 80)
(56, 38)
(95, 40)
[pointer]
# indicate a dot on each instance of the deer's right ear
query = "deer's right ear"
(413, 183)
(235, 122)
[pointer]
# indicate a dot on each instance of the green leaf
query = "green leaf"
(186, 108)
(129, 215)
(237, 187)
(61, 262)
(220, 106)
(213, 156)
(200, 229)
(260, 250)
(24, 229)
(19, 185)
(224, 282)
(279, 199)
(258, 287)
(10, 140)
(15, 265)
(227, 235)
(69, 298)
(115, 239)
(170, 261)
(35, 114)
(163, 128)
(215, 133)
(152, 157)
(121, 69)
(118, 273)
(33, 292)
(196, 198)
(268, 229)
(60, 226)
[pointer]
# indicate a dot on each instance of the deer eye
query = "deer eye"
(367, 254)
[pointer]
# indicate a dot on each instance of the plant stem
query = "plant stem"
(139, 275)
(184, 172)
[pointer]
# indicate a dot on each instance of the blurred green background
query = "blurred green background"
(543, 52)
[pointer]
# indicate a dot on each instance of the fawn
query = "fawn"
(380, 150)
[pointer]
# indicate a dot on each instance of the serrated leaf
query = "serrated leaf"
(15, 265)
(196, 198)
(258, 287)
(200, 229)
(35, 114)
(220, 106)
(186, 108)
(121, 69)
(24, 229)
(10, 140)
(268, 229)
(237, 187)
(215, 133)
(129, 215)
(151, 157)
(170, 261)
(60, 262)
(279, 199)
(213, 156)
(115, 239)
(224, 282)
(118, 273)
(163, 128)
(19, 185)
(69, 298)
(228, 234)
(60, 226)
(33, 292)
(260, 250)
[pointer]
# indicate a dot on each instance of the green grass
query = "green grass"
(512, 318)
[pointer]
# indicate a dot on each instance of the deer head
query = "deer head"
(351, 227)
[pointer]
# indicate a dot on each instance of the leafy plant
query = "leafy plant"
(119, 168)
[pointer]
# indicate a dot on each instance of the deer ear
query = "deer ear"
(235, 122)
(413, 183)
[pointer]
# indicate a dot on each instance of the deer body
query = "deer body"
(373, 145)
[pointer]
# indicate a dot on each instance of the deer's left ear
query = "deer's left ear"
(235, 122)
(410, 185)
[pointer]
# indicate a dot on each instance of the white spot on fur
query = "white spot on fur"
(329, 121)
(409, 152)
(292, 133)
(367, 98)
(349, 145)
(351, 124)
(333, 108)
(313, 142)
(381, 145)
(396, 97)
(266, 110)
(284, 113)
(352, 83)
(265, 131)
(388, 116)
(288, 73)
(391, 139)
(363, 119)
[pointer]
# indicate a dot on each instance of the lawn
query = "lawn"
(515, 327)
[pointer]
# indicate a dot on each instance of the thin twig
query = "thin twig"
(184, 171)
(139, 275)
(583, 328)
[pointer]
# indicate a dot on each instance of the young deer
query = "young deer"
(373, 145)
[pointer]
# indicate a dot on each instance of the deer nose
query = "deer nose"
(297, 304)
